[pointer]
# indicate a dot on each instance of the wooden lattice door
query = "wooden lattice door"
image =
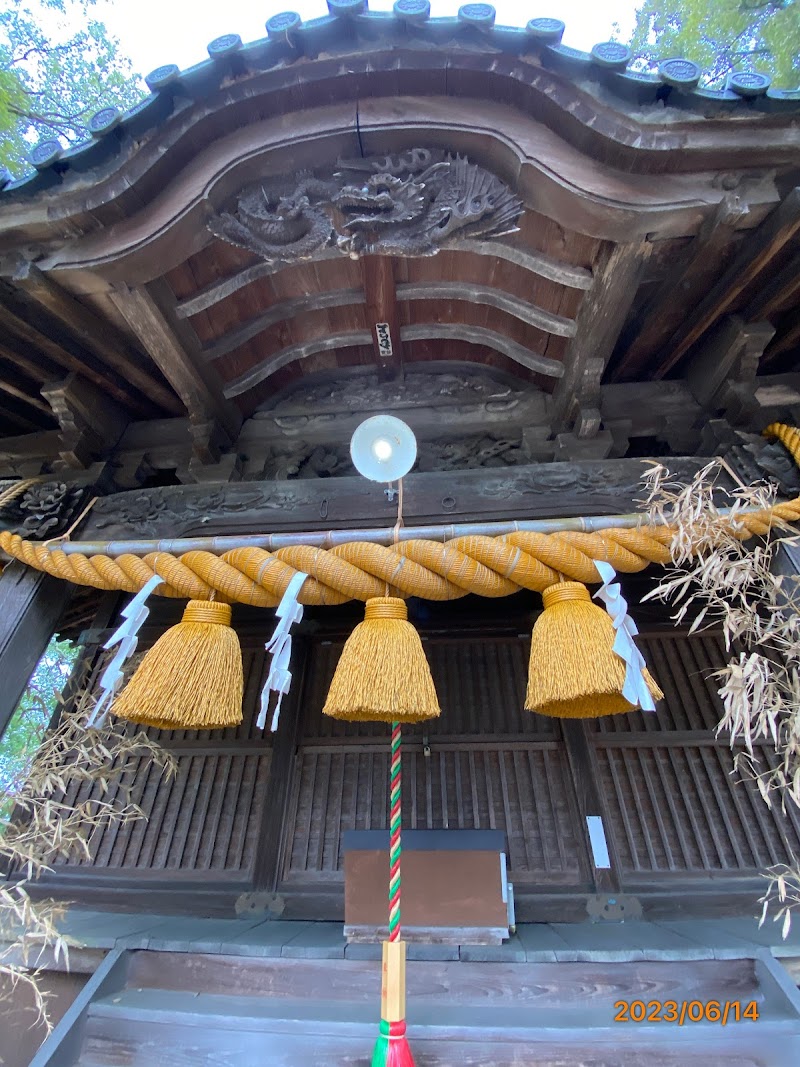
(678, 813)
(485, 764)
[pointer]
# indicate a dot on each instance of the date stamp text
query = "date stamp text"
(685, 1011)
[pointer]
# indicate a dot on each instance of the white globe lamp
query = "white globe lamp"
(383, 449)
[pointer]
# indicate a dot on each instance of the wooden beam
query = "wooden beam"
(535, 262)
(197, 385)
(536, 490)
(10, 412)
(31, 399)
(754, 256)
(66, 352)
(29, 448)
(286, 309)
(542, 319)
(684, 286)
(477, 335)
(383, 316)
(255, 375)
(98, 335)
(600, 319)
(40, 370)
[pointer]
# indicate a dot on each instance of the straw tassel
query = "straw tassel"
(574, 671)
(192, 677)
(383, 674)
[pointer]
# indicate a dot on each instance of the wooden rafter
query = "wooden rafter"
(779, 228)
(786, 339)
(781, 288)
(684, 286)
(66, 352)
(10, 413)
(98, 335)
(18, 390)
(40, 370)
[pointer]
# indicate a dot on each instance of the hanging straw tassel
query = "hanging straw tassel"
(574, 672)
(383, 674)
(192, 677)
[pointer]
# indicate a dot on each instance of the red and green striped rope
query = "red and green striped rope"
(395, 821)
(391, 1047)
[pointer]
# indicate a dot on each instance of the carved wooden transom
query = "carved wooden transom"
(410, 204)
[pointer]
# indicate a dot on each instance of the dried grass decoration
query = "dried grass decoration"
(574, 672)
(192, 677)
(383, 674)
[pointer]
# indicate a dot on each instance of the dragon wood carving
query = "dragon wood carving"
(411, 204)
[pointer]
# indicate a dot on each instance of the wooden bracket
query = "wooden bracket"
(173, 348)
(722, 374)
(90, 423)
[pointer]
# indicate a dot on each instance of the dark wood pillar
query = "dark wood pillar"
(275, 822)
(31, 604)
(590, 802)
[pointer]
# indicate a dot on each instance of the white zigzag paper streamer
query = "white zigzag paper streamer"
(635, 689)
(279, 678)
(134, 614)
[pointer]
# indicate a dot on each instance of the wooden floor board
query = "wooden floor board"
(171, 1047)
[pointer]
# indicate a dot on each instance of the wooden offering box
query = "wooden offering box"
(455, 889)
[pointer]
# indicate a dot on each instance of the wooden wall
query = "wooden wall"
(250, 811)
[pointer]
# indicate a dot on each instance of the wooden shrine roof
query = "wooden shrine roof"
(652, 212)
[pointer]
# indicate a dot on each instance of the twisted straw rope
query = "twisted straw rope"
(486, 566)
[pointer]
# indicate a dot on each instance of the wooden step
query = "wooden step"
(140, 1040)
(542, 985)
(149, 1008)
(184, 1010)
(451, 1019)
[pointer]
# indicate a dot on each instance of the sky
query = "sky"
(155, 32)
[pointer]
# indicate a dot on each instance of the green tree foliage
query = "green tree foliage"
(29, 722)
(58, 66)
(722, 36)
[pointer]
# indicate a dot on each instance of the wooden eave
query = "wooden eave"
(653, 212)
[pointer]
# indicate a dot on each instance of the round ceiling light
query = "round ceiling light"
(383, 449)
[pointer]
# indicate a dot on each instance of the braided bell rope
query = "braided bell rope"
(395, 823)
(432, 570)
